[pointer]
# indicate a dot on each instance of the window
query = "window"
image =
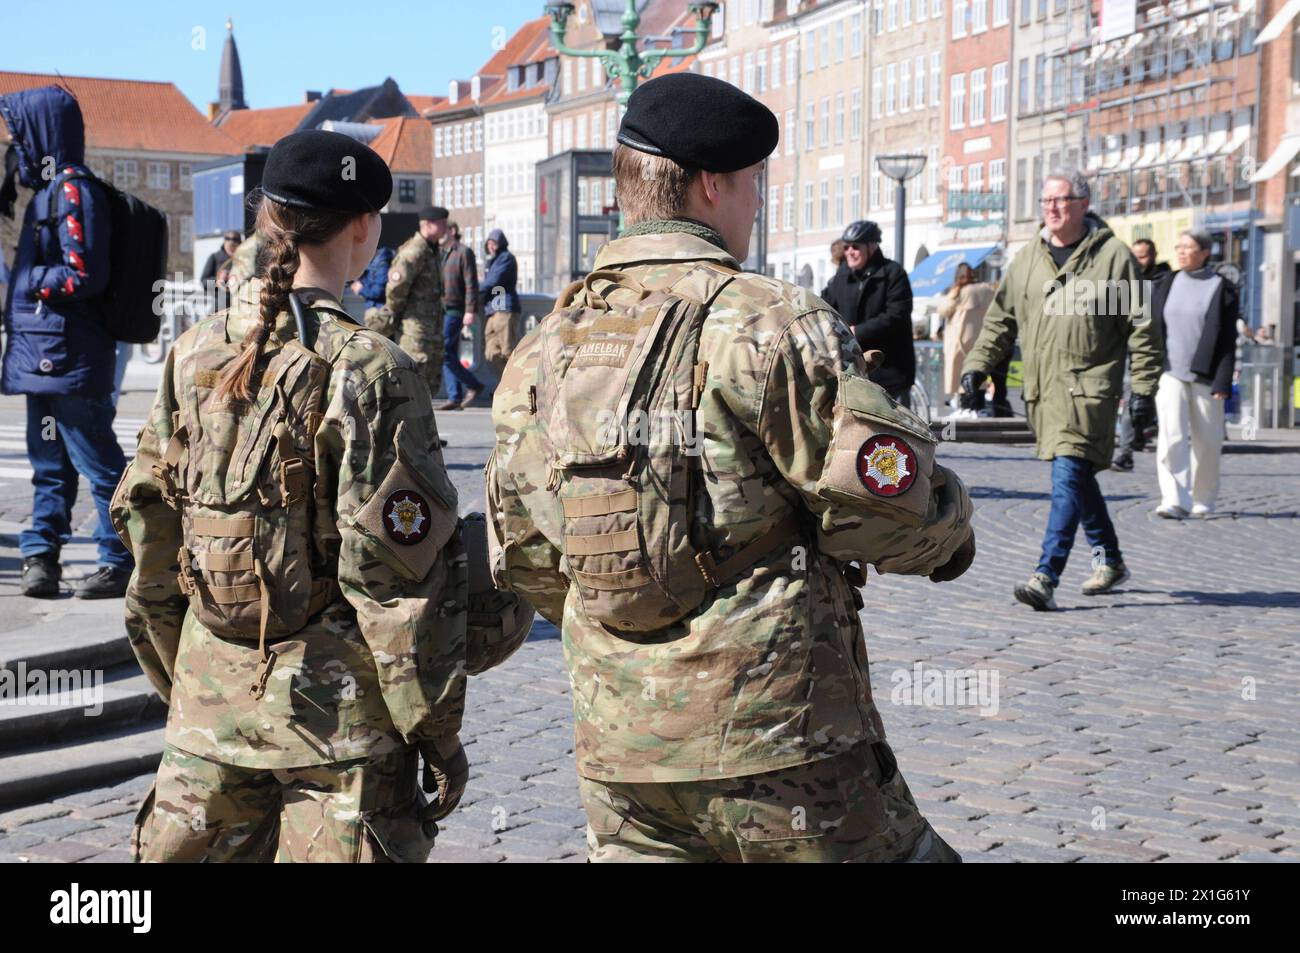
(457, 193)
(158, 175)
(735, 71)
(808, 206)
(582, 133)
(855, 114)
(791, 133)
(748, 83)
(855, 196)
(125, 173)
(839, 40)
(918, 190)
(773, 207)
(609, 126)
(1001, 12)
(936, 10)
(788, 196)
(568, 134)
(1040, 80)
(905, 86)
(977, 81)
(567, 84)
(760, 70)
(877, 93)
(1058, 80)
(826, 203)
(920, 82)
(186, 236)
(406, 190)
(957, 101)
(810, 126)
(920, 10)
(875, 189)
(457, 135)
(998, 109)
(437, 142)
(597, 74)
(810, 53)
(855, 34)
(824, 35)
(437, 192)
(1022, 201)
(936, 74)
(891, 89)
(826, 122)
(839, 201)
(1026, 11)
(478, 136)
(979, 16)
(932, 174)
(183, 170)
(839, 118)
(791, 62)
(998, 175)
(877, 17)
(891, 15)
(582, 75)
(776, 67)
(907, 12)
(954, 179)
(1042, 10)
(1022, 95)
(958, 18)
(478, 188)
(975, 177)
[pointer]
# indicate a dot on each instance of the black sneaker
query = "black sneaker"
(1123, 462)
(41, 574)
(104, 583)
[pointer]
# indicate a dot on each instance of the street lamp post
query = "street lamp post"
(900, 167)
(623, 61)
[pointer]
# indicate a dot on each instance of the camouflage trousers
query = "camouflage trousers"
(854, 807)
(363, 811)
(422, 339)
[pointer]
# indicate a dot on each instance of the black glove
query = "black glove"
(958, 564)
(1141, 411)
(972, 390)
(446, 776)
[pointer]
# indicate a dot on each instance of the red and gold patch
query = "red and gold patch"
(887, 466)
(406, 517)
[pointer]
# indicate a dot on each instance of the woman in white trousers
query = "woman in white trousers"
(1198, 312)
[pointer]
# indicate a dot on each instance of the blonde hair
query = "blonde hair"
(649, 187)
(283, 229)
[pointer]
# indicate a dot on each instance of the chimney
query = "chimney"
(312, 96)
(213, 109)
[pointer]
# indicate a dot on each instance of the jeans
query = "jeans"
(1076, 498)
(67, 435)
(455, 376)
(119, 373)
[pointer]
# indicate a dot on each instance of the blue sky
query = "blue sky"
(285, 46)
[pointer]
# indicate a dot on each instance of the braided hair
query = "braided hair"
(283, 229)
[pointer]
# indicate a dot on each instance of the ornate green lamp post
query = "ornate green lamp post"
(624, 61)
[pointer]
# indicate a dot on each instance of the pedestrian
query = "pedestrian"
(372, 288)
(413, 297)
(313, 643)
(500, 306)
(962, 309)
(837, 254)
(58, 353)
(1198, 313)
(1073, 297)
(874, 297)
(459, 299)
(1130, 439)
(1144, 251)
(721, 690)
(229, 245)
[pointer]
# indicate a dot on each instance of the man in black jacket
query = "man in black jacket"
(874, 297)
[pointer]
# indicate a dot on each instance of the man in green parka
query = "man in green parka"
(1076, 299)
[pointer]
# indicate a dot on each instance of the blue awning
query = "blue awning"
(935, 274)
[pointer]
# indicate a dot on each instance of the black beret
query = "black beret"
(433, 213)
(699, 122)
(862, 232)
(327, 171)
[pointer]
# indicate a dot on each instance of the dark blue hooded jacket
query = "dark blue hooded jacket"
(55, 339)
(375, 279)
(502, 273)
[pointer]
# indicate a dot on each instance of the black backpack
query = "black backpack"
(137, 263)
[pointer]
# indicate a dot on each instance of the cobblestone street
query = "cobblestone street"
(1157, 723)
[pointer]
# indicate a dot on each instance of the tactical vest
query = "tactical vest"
(618, 387)
(256, 555)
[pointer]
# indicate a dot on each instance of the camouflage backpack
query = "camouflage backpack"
(618, 387)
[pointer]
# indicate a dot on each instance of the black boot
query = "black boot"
(41, 574)
(104, 583)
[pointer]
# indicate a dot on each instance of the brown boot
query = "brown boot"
(449, 405)
(469, 399)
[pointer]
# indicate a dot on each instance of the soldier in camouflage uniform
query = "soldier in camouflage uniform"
(243, 265)
(302, 746)
(747, 730)
(412, 312)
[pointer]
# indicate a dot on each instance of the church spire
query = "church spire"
(230, 85)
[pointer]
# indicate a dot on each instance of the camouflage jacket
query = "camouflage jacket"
(772, 671)
(243, 264)
(381, 667)
(459, 278)
(414, 289)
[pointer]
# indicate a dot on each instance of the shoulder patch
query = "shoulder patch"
(395, 275)
(407, 519)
